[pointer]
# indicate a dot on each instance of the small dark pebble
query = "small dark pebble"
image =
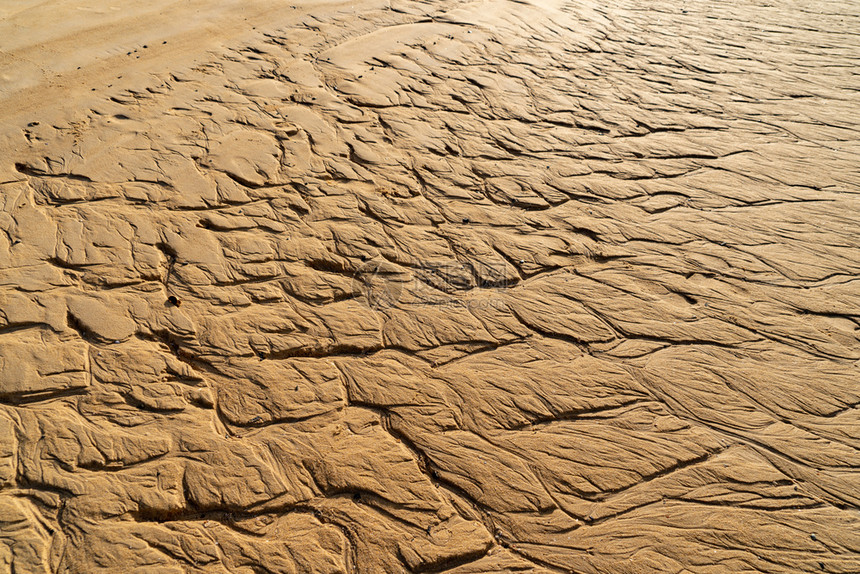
(466, 220)
(173, 300)
(145, 46)
(297, 388)
(821, 565)
(356, 497)
(31, 124)
(813, 536)
(165, 42)
(434, 474)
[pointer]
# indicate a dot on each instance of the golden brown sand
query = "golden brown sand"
(461, 287)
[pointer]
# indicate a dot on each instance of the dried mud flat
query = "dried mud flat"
(464, 287)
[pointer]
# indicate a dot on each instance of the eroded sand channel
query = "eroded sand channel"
(461, 287)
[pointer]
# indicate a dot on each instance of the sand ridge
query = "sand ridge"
(459, 287)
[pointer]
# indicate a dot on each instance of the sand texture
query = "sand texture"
(537, 286)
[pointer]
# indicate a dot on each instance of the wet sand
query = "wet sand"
(461, 287)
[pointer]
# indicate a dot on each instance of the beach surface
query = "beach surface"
(396, 286)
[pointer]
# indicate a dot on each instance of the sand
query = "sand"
(401, 286)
